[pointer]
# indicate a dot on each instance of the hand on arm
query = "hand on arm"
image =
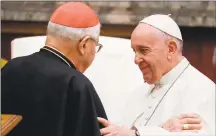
(114, 130)
(175, 124)
(185, 122)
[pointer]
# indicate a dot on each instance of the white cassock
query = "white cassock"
(182, 90)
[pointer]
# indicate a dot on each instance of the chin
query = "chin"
(148, 80)
(84, 69)
(81, 70)
(86, 66)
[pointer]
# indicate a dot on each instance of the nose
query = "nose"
(137, 59)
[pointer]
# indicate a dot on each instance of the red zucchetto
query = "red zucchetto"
(75, 15)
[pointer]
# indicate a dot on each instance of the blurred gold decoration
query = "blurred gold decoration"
(3, 62)
(9, 122)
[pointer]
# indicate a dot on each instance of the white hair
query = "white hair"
(172, 38)
(178, 41)
(73, 34)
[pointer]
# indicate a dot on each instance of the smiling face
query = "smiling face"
(151, 52)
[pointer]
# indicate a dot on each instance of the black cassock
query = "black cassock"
(53, 98)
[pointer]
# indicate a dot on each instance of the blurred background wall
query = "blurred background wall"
(197, 21)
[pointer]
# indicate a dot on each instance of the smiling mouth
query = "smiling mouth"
(145, 71)
(143, 68)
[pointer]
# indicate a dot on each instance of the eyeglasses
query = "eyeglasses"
(98, 47)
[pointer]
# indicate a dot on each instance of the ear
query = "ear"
(172, 48)
(82, 45)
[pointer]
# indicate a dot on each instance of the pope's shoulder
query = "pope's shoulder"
(195, 77)
(195, 82)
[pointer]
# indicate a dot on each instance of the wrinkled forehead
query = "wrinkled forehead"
(146, 35)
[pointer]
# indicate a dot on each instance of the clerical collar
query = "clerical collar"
(59, 55)
(174, 73)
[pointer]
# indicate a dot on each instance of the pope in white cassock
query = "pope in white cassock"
(174, 87)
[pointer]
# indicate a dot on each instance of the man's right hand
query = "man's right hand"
(184, 122)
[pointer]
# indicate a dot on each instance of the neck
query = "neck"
(68, 50)
(174, 63)
(76, 61)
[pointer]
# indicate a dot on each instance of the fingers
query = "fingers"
(185, 122)
(189, 115)
(107, 130)
(109, 134)
(103, 121)
(190, 121)
(192, 127)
